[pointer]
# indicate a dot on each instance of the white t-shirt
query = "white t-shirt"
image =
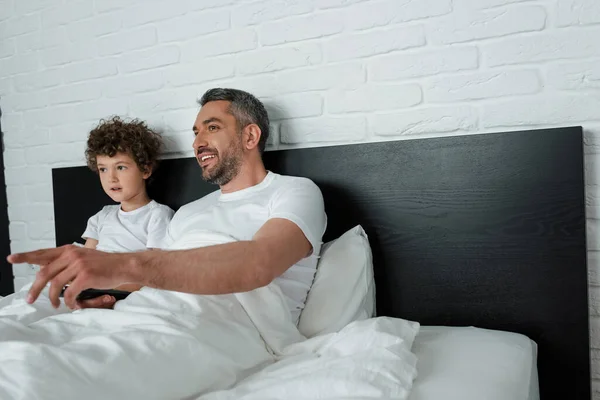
(240, 215)
(119, 231)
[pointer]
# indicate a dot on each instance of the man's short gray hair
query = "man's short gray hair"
(245, 108)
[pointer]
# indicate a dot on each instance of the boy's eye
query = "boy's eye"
(102, 169)
(121, 167)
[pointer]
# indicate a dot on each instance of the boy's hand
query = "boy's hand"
(105, 301)
(83, 268)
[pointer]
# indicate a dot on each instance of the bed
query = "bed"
(479, 238)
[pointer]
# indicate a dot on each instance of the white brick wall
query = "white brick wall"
(330, 71)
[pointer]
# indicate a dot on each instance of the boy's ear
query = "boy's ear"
(147, 172)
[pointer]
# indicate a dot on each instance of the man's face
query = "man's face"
(218, 143)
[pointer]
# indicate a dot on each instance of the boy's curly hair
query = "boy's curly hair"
(115, 135)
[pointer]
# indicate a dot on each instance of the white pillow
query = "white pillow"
(343, 290)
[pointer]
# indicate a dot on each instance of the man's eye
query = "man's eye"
(212, 128)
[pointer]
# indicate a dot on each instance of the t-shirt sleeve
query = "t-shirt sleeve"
(93, 226)
(157, 227)
(302, 204)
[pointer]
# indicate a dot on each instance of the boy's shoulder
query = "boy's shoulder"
(158, 208)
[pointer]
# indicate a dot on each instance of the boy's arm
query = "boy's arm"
(91, 243)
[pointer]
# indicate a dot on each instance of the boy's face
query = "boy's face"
(120, 176)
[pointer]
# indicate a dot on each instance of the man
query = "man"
(277, 221)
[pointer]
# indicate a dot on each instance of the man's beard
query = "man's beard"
(227, 168)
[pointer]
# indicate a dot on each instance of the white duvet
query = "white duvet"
(159, 344)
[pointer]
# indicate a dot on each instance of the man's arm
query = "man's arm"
(227, 268)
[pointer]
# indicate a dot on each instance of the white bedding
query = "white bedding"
(474, 364)
(159, 344)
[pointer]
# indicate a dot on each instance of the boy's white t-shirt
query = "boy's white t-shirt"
(240, 215)
(119, 231)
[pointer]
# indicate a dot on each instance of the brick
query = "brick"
(38, 80)
(372, 43)
(181, 121)
(276, 59)
(592, 178)
(84, 91)
(41, 230)
(192, 25)
(580, 75)
(152, 11)
(300, 28)
(30, 6)
(40, 193)
(19, 282)
(374, 98)
(17, 231)
(594, 301)
(20, 25)
(16, 194)
(27, 102)
(24, 271)
(19, 64)
(323, 129)
(363, 16)
(11, 123)
(5, 87)
(294, 106)
(78, 31)
(233, 41)
(67, 54)
(73, 11)
(179, 143)
(542, 110)
(83, 112)
(595, 364)
(431, 120)
(112, 5)
(338, 76)
(126, 41)
(137, 83)
(578, 12)
(266, 11)
(594, 268)
(199, 72)
(482, 85)
(24, 137)
(552, 45)
(55, 153)
(165, 100)
(30, 245)
(14, 158)
(423, 63)
(88, 70)
(473, 25)
(27, 175)
(595, 332)
(41, 39)
(461, 5)
(29, 212)
(7, 48)
(325, 4)
(71, 132)
(149, 59)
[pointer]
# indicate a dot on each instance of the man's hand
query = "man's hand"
(82, 268)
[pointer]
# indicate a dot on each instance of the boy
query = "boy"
(124, 154)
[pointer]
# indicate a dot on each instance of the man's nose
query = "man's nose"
(199, 141)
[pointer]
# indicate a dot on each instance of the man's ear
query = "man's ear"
(251, 135)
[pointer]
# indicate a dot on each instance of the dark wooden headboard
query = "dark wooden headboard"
(482, 230)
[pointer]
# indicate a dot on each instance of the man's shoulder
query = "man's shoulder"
(291, 181)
